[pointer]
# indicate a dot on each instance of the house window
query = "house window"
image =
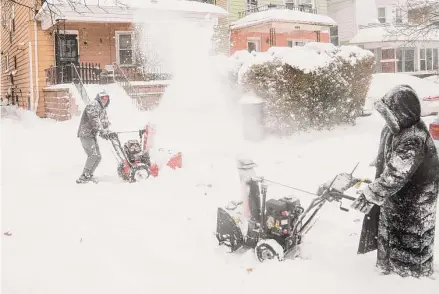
(252, 4)
(4, 14)
(124, 48)
(6, 62)
(418, 15)
(333, 32)
(405, 59)
(428, 59)
(253, 45)
(382, 14)
(398, 15)
(12, 18)
(388, 60)
(300, 43)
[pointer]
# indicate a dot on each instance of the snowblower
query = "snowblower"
(275, 227)
(133, 162)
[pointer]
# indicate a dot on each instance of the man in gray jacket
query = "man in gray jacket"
(94, 121)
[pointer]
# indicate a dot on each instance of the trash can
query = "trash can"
(253, 118)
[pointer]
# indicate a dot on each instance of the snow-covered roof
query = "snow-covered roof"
(379, 34)
(282, 15)
(58, 9)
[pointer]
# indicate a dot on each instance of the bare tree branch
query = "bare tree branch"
(415, 21)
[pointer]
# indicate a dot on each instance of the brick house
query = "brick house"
(45, 44)
(279, 25)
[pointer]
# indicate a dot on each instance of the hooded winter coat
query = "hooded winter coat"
(94, 118)
(402, 223)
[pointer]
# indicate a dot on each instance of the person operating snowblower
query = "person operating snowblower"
(94, 121)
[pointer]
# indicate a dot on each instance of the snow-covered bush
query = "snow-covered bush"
(316, 86)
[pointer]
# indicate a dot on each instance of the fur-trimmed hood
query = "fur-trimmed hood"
(400, 107)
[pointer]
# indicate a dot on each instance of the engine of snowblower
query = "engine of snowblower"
(281, 215)
(134, 152)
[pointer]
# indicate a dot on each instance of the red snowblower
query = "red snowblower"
(139, 159)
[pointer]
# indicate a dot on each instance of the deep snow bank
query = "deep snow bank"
(115, 237)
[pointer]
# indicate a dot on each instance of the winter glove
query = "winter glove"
(362, 204)
(105, 134)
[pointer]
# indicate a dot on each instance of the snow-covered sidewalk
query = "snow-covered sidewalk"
(157, 236)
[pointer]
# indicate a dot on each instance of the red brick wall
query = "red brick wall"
(239, 38)
(59, 104)
(150, 95)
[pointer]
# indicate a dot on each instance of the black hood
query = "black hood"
(400, 107)
(98, 98)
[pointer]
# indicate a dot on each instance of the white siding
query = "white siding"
(343, 12)
(321, 6)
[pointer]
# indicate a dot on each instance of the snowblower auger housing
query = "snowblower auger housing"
(277, 230)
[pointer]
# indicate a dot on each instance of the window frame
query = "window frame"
(256, 41)
(403, 59)
(6, 62)
(118, 50)
(434, 59)
(398, 15)
(382, 17)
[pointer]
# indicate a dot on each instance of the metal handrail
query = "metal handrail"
(126, 85)
(80, 85)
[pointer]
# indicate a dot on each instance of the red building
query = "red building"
(277, 25)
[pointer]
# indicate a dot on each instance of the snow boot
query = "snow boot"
(85, 178)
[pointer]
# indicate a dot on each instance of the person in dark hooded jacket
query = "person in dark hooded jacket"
(400, 204)
(94, 121)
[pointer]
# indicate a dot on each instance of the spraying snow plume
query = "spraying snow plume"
(198, 113)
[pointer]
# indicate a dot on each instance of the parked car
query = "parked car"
(434, 131)
(431, 103)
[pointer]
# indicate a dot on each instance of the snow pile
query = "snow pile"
(434, 79)
(308, 58)
(19, 115)
(383, 82)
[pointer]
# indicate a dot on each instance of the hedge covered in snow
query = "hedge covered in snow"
(316, 86)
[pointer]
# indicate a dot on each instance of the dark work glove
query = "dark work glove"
(105, 134)
(362, 204)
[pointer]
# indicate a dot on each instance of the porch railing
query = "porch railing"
(144, 73)
(89, 73)
(79, 84)
(289, 6)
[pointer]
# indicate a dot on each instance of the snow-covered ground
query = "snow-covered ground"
(157, 236)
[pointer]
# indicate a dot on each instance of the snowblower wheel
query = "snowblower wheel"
(139, 173)
(269, 249)
(136, 173)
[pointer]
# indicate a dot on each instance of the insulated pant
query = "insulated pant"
(91, 148)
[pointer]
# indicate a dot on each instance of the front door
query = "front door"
(66, 53)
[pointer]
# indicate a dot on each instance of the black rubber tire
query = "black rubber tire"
(263, 250)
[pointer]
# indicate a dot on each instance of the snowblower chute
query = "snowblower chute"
(160, 156)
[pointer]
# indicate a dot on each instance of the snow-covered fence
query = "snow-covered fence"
(316, 86)
(90, 73)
